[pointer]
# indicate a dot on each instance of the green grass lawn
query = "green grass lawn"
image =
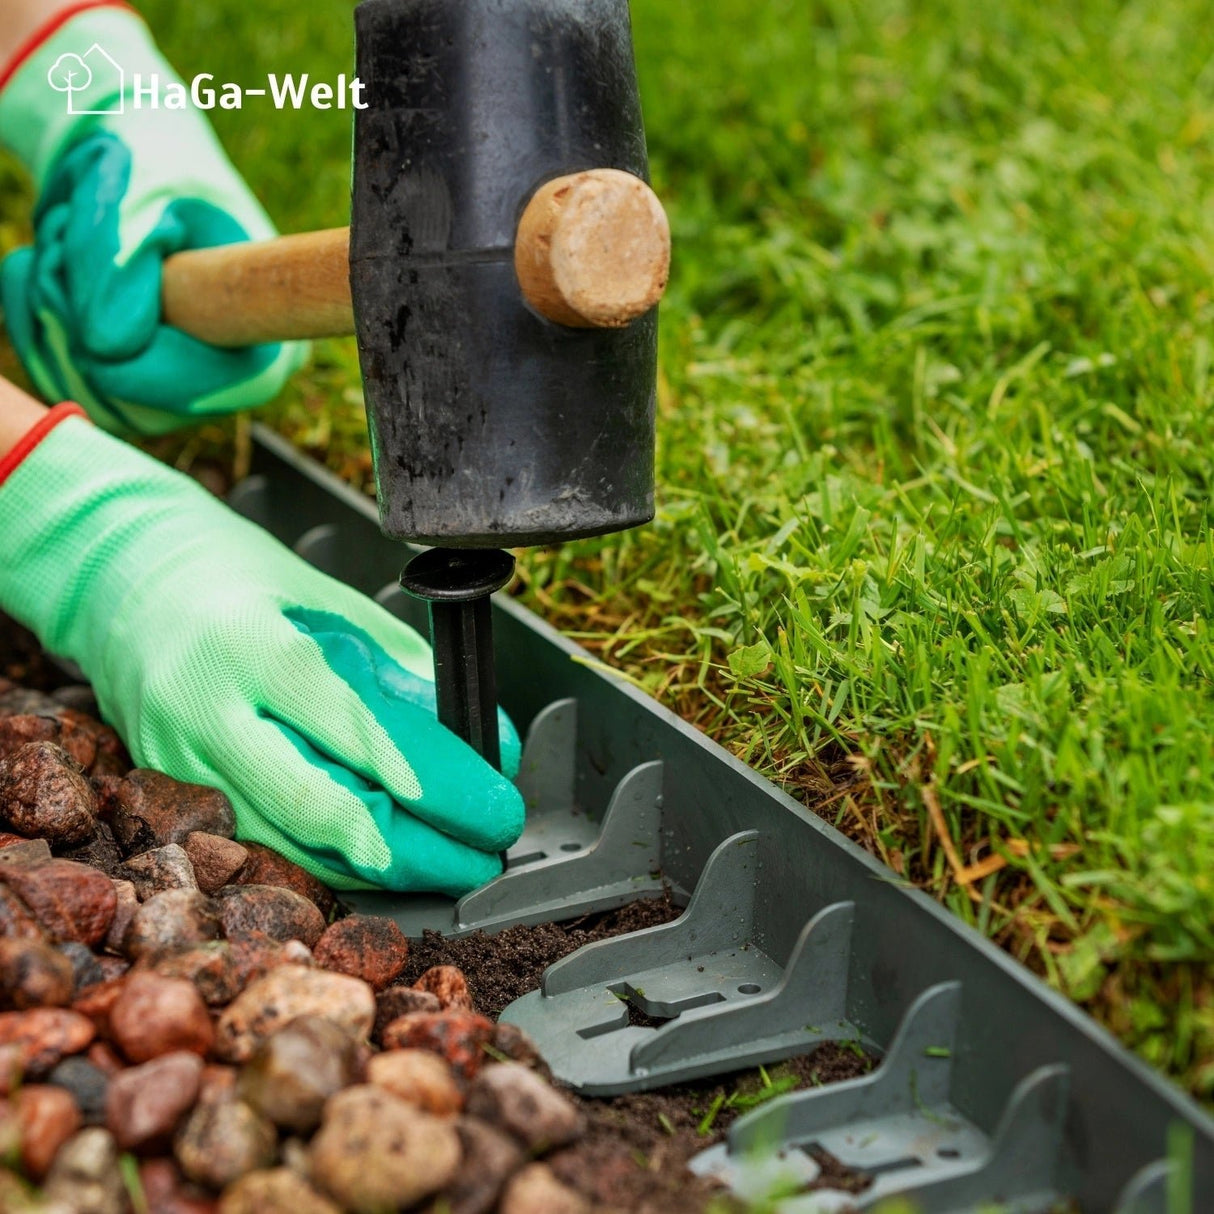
(934, 547)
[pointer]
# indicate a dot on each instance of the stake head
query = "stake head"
(457, 575)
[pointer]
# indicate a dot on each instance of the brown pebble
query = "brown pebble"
(105, 1058)
(459, 1037)
(418, 1077)
(151, 809)
(16, 922)
(167, 1191)
(12, 1064)
(177, 918)
(48, 1117)
(32, 974)
(494, 1156)
(284, 993)
(448, 985)
(43, 792)
(267, 867)
(512, 1043)
(369, 947)
(218, 1083)
(155, 1015)
(124, 911)
(70, 901)
(97, 1001)
(111, 966)
(85, 1177)
(536, 1190)
(398, 1001)
(45, 1035)
(25, 851)
(222, 1140)
(216, 860)
(375, 1152)
(295, 1070)
(211, 967)
(517, 1100)
(274, 1191)
(145, 1104)
(152, 872)
(256, 954)
(281, 914)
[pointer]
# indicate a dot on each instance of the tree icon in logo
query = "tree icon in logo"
(72, 74)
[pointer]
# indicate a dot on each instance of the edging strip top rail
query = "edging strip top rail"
(792, 935)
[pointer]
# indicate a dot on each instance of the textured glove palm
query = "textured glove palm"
(117, 193)
(224, 659)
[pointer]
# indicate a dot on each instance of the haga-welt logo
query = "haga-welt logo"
(73, 74)
(95, 83)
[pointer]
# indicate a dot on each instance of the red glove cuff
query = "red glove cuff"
(44, 31)
(35, 434)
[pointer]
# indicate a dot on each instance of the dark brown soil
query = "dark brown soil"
(23, 660)
(635, 1154)
(500, 968)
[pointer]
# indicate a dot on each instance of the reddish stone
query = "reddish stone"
(145, 1104)
(255, 954)
(70, 901)
(178, 918)
(266, 867)
(97, 1001)
(105, 1058)
(279, 913)
(167, 1191)
(216, 860)
(398, 1001)
(158, 869)
(44, 793)
(510, 1041)
(125, 908)
(153, 809)
(48, 1117)
(45, 1035)
(459, 1037)
(8, 839)
(18, 730)
(210, 967)
(112, 967)
(448, 985)
(32, 974)
(154, 1015)
(16, 922)
(369, 947)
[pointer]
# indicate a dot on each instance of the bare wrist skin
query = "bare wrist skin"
(20, 18)
(19, 413)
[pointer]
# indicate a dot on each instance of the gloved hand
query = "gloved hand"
(224, 659)
(117, 193)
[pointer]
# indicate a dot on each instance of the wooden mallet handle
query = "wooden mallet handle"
(592, 251)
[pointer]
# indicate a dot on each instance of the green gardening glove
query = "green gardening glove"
(117, 193)
(224, 659)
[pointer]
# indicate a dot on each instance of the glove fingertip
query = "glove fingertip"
(505, 815)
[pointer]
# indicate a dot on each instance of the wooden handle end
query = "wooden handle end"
(593, 249)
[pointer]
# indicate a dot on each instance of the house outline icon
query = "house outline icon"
(100, 60)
